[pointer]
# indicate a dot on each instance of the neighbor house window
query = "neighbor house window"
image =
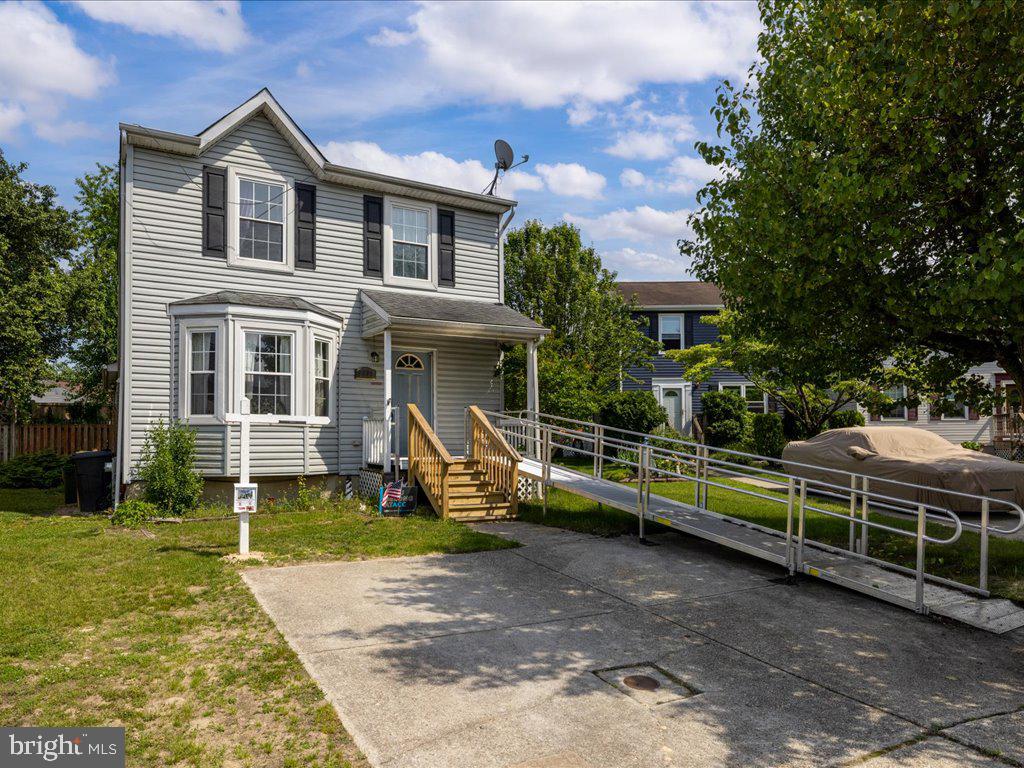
(321, 377)
(410, 242)
(671, 331)
(261, 220)
(755, 398)
(897, 412)
(954, 409)
(268, 372)
(202, 372)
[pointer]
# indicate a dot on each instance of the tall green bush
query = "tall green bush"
(634, 411)
(768, 437)
(725, 417)
(167, 468)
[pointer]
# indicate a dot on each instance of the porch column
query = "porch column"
(387, 401)
(532, 389)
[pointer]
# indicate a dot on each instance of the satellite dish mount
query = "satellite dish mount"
(504, 160)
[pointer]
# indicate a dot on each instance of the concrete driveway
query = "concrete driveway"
(543, 657)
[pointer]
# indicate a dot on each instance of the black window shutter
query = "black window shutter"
(446, 247)
(373, 236)
(215, 205)
(305, 226)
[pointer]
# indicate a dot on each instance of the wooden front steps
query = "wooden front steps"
(483, 486)
(471, 496)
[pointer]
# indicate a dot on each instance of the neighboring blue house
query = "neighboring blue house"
(673, 310)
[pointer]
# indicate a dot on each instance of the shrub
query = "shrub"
(725, 417)
(971, 445)
(767, 435)
(33, 470)
(633, 411)
(167, 468)
(841, 419)
(673, 464)
(133, 512)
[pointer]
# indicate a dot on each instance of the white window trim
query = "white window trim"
(432, 250)
(965, 415)
(298, 361)
(906, 412)
(185, 331)
(332, 367)
(723, 385)
(682, 330)
(658, 387)
(235, 177)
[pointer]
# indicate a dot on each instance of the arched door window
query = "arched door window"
(409, 362)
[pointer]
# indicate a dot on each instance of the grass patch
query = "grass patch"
(154, 631)
(959, 561)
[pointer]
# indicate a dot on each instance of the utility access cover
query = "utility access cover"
(647, 683)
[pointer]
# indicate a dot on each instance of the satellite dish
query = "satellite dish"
(503, 154)
(504, 159)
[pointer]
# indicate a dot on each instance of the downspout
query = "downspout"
(501, 253)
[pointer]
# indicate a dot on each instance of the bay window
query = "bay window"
(268, 373)
(321, 377)
(202, 373)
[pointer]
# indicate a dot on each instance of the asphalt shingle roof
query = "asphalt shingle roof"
(245, 298)
(672, 293)
(431, 307)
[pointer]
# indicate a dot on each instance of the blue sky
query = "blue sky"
(607, 99)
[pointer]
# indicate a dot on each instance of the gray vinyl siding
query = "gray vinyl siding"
(167, 265)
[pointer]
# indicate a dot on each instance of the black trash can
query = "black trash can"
(70, 492)
(92, 480)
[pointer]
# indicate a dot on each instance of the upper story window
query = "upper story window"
(202, 373)
(670, 331)
(410, 242)
(261, 220)
(268, 373)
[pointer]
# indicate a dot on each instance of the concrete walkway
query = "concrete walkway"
(518, 659)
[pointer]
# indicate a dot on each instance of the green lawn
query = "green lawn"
(154, 631)
(959, 561)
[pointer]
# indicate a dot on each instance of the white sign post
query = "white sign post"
(245, 492)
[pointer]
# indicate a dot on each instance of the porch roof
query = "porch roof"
(403, 311)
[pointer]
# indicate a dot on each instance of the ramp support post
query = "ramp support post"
(790, 503)
(919, 591)
(983, 576)
(864, 517)
(801, 526)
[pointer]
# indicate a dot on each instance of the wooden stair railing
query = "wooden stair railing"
(493, 454)
(429, 461)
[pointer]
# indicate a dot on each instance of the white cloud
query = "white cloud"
(41, 65)
(572, 180)
(581, 112)
(431, 167)
(553, 60)
(640, 145)
(214, 25)
(688, 174)
(646, 265)
(632, 178)
(642, 223)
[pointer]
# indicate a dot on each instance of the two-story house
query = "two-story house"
(329, 297)
(674, 311)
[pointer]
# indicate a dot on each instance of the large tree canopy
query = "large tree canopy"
(36, 236)
(870, 198)
(93, 281)
(553, 278)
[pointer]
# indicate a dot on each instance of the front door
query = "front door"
(672, 399)
(412, 382)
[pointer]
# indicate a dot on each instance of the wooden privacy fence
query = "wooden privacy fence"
(18, 439)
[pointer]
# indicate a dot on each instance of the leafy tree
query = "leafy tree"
(553, 278)
(632, 411)
(93, 287)
(810, 383)
(36, 235)
(870, 195)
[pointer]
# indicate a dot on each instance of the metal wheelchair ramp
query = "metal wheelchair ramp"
(536, 435)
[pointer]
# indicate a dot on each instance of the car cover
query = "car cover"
(907, 455)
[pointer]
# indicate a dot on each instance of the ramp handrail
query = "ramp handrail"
(429, 460)
(498, 460)
(654, 454)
